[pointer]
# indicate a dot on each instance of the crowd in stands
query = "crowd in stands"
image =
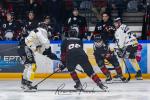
(19, 17)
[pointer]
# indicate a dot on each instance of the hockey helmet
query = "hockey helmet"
(97, 38)
(72, 33)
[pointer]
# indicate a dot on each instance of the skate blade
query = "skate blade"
(116, 79)
(26, 89)
(139, 78)
(29, 90)
(105, 90)
(79, 89)
(108, 82)
(22, 87)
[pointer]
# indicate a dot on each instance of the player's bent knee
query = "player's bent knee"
(100, 63)
(88, 70)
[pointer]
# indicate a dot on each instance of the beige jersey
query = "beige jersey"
(37, 38)
(125, 37)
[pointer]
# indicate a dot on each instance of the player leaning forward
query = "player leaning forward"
(127, 45)
(72, 54)
(36, 42)
(102, 52)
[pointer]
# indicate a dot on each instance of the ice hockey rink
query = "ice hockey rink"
(134, 90)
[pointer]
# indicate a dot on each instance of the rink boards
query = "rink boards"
(11, 67)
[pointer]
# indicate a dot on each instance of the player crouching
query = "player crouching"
(102, 52)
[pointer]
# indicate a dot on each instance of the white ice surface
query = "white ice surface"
(134, 90)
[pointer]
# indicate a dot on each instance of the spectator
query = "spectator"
(68, 8)
(146, 23)
(51, 25)
(30, 23)
(141, 5)
(118, 5)
(132, 6)
(76, 22)
(2, 14)
(105, 27)
(10, 27)
(35, 6)
(2, 17)
(56, 9)
(86, 4)
(99, 6)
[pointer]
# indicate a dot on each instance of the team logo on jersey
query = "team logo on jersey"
(74, 18)
(99, 27)
(4, 25)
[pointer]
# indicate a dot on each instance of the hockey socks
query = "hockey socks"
(135, 64)
(75, 77)
(105, 71)
(119, 74)
(118, 70)
(95, 78)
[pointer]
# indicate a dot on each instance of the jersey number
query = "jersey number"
(71, 46)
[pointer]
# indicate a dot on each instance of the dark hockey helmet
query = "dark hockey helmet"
(97, 38)
(72, 33)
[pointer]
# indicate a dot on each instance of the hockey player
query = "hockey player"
(102, 52)
(127, 44)
(28, 61)
(72, 54)
(36, 42)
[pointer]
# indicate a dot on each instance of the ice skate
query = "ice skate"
(103, 87)
(29, 88)
(78, 86)
(138, 75)
(108, 80)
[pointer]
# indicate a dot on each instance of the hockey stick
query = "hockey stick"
(51, 75)
(35, 86)
(79, 70)
(129, 77)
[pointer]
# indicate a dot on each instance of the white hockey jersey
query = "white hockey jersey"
(37, 38)
(125, 37)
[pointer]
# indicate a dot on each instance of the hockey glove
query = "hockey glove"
(139, 50)
(49, 54)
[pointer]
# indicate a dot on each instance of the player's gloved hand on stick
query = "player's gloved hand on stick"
(60, 67)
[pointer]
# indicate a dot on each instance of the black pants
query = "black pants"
(26, 54)
(131, 51)
(82, 60)
(101, 57)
